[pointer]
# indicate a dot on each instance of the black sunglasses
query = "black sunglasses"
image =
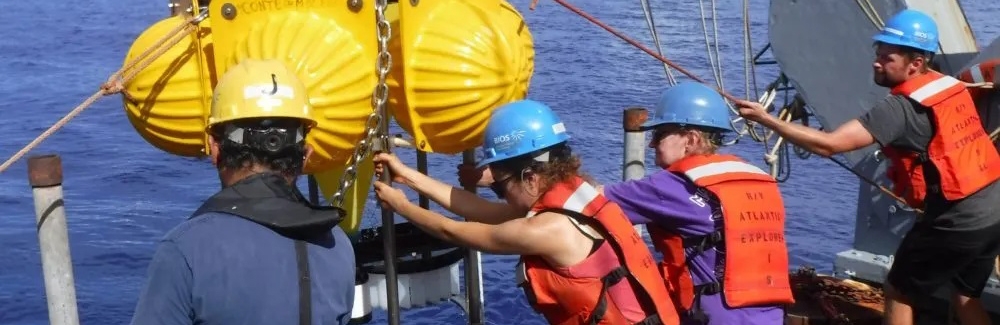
(663, 132)
(499, 187)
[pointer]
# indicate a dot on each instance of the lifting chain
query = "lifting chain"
(379, 97)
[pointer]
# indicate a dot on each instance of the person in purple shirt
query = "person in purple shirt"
(670, 200)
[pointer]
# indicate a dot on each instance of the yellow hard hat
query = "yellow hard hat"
(260, 89)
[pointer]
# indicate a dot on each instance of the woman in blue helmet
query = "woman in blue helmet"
(723, 266)
(581, 260)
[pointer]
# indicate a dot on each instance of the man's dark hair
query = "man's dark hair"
(275, 144)
(911, 54)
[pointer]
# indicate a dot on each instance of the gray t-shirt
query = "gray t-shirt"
(899, 122)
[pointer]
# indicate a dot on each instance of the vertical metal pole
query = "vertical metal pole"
(389, 232)
(633, 165)
(473, 270)
(424, 201)
(45, 177)
(313, 190)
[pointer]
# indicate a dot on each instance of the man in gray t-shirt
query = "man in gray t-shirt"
(958, 236)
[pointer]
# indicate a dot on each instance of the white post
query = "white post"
(633, 159)
(45, 177)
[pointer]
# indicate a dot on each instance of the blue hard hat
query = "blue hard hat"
(691, 103)
(910, 28)
(519, 128)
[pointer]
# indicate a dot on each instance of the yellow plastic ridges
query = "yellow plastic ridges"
(329, 44)
(167, 102)
(459, 61)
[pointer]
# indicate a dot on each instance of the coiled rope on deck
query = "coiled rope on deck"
(116, 82)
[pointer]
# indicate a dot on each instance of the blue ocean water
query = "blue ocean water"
(122, 194)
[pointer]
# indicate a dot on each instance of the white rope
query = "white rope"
(651, 24)
(869, 10)
(712, 55)
(749, 71)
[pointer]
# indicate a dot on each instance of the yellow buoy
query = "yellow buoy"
(329, 44)
(168, 102)
(454, 61)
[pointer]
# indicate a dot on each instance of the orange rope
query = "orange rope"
(625, 38)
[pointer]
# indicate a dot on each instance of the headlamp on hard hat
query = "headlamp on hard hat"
(267, 136)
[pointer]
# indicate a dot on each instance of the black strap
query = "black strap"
(697, 313)
(708, 289)
(651, 320)
(305, 291)
(612, 277)
(607, 281)
(703, 242)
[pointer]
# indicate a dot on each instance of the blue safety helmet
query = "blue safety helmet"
(691, 103)
(519, 128)
(910, 28)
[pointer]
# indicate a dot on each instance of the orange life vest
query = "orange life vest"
(960, 149)
(985, 71)
(753, 232)
(568, 300)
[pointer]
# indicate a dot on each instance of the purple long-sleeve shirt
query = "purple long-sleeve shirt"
(672, 202)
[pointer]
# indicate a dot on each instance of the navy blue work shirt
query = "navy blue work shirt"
(222, 269)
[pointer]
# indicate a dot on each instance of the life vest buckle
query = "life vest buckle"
(701, 243)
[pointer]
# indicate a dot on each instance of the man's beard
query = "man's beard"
(883, 80)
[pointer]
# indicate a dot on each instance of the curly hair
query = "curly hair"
(561, 166)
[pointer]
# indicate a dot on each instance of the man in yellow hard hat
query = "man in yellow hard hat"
(256, 252)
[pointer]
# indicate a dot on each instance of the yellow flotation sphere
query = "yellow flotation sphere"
(332, 50)
(168, 101)
(454, 61)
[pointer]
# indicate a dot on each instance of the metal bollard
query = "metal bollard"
(473, 268)
(633, 159)
(45, 177)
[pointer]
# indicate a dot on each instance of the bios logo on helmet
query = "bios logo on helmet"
(506, 141)
(519, 128)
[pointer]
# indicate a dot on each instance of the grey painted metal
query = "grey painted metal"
(825, 49)
(991, 51)
(831, 69)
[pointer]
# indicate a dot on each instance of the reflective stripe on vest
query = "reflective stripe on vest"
(582, 200)
(722, 167)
